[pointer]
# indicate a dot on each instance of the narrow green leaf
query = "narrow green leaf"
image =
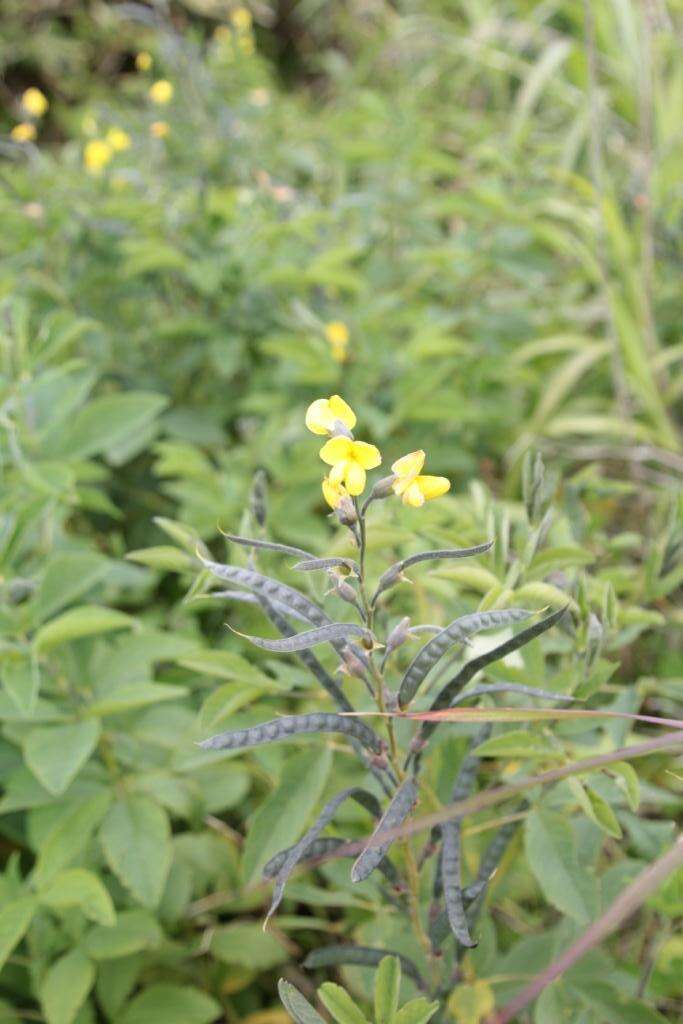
(596, 808)
(87, 620)
(65, 987)
(517, 743)
(387, 985)
(247, 945)
(15, 917)
(296, 1006)
(417, 1011)
(340, 1005)
(170, 1004)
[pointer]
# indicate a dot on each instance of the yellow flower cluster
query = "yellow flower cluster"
(337, 334)
(161, 92)
(34, 105)
(350, 459)
(241, 34)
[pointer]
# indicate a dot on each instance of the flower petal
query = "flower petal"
(332, 493)
(318, 418)
(341, 411)
(366, 455)
(433, 486)
(413, 495)
(338, 472)
(336, 450)
(355, 477)
(409, 465)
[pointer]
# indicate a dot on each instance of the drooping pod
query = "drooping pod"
(398, 810)
(295, 725)
(334, 632)
(395, 572)
(363, 956)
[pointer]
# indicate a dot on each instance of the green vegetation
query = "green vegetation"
(465, 219)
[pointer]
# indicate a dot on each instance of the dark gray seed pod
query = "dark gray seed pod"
(334, 632)
(467, 772)
(327, 564)
(454, 686)
(295, 725)
(528, 691)
(296, 1006)
(395, 572)
(363, 956)
(258, 497)
(491, 859)
(325, 846)
(271, 589)
(246, 597)
(451, 881)
(268, 545)
(395, 814)
(456, 632)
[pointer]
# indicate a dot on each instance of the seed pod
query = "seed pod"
(268, 545)
(296, 1006)
(395, 572)
(295, 725)
(335, 631)
(258, 497)
(468, 768)
(325, 846)
(450, 877)
(346, 592)
(528, 691)
(491, 859)
(434, 649)
(363, 956)
(395, 814)
(271, 589)
(454, 686)
(246, 597)
(312, 564)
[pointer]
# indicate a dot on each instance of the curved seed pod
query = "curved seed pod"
(458, 630)
(295, 725)
(424, 627)
(311, 564)
(325, 846)
(450, 877)
(246, 597)
(395, 572)
(528, 691)
(395, 814)
(363, 956)
(335, 631)
(454, 686)
(296, 1006)
(258, 497)
(491, 859)
(272, 589)
(301, 849)
(467, 772)
(268, 545)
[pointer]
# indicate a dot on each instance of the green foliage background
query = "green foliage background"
(488, 194)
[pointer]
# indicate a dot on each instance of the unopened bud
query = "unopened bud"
(398, 635)
(346, 512)
(383, 488)
(352, 665)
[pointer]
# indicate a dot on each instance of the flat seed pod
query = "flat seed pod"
(451, 881)
(295, 725)
(491, 859)
(246, 597)
(528, 691)
(322, 847)
(268, 545)
(456, 632)
(395, 814)
(363, 956)
(271, 589)
(395, 572)
(331, 633)
(311, 564)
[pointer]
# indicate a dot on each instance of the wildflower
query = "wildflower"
(143, 60)
(23, 132)
(334, 493)
(413, 488)
(323, 415)
(118, 139)
(159, 129)
(97, 155)
(34, 102)
(259, 97)
(161, 91)
(349, 460)
(337, 333)
(246, 45)
(241, 19)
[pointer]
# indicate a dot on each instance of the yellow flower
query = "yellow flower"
(413, 488)
(118, 139)
(246, 45)
(241, 19)
(34, 102)
(337, 333)
(23, 132)
(333, 494)
(159, 129)
(323, 414)
(349, 460)
(161, 91)
(97, 155)
(143, 61)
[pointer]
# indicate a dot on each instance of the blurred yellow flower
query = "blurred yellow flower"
(159, 129)
(259, 97)
(334, 494)
(241, 19)
(118, 139)
(161, 91)
(23, 132)
(34, 102)
(337, 333)
(323, 414)
(97, 155)
(412, 488)
(349, 460)
(246, 45)
(143, 61)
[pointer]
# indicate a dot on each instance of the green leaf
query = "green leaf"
(471, 1004)
(614, 1006)
(596, 808)
(247, 945)
(281, 819)
(296, 1006)
(417, 1011)
(170, 1004)
(21, 681)
(15, 917)
(77, 887)
(517, 743)
(136, 839)
(65, 987)
(87, 620)
(108, 422)
(551, 854)
(163, 557)
(115, 981)
(134, 931)
(68, 576)
(226, 665)
(68, 837)
(387, 985)
(134, 695)
(340, 1005)
(627, 779)
(56, 753)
